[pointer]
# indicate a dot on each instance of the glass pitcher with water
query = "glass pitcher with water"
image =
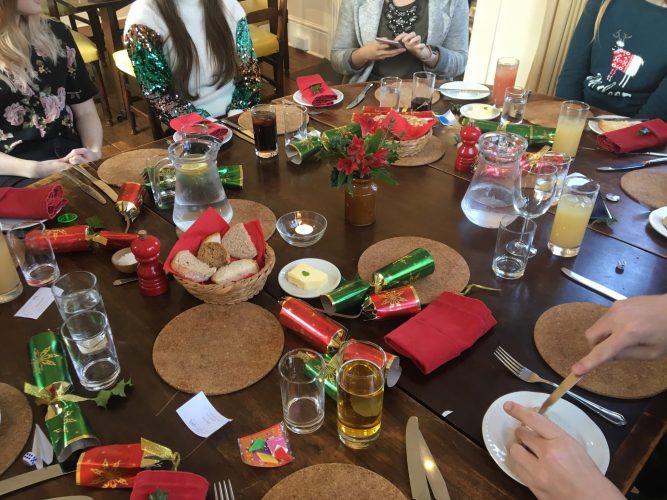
(198, 184)
(489, 196)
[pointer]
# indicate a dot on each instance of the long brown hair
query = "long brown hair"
(219, 40)
(598, 19)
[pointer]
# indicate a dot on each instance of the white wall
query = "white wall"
(311, 25)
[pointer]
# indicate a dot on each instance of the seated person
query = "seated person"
(617, 59)
(48, 120)
(192, 56)
(434, 35)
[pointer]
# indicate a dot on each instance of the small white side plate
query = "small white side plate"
(479, 111)
(464, 91)
(655, 219)
(228, 136)
(321, 265)
(498, 429)
(8, 224)
(298, 98)
(594, 125)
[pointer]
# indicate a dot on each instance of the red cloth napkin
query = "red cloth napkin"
(442, 331)
(214, 129)
(178, 485)
(630, 139)
(323, 96)
(28, 203)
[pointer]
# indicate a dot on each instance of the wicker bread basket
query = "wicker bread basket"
(239, 291)
(413, 147)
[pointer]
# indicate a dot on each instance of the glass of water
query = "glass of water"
(514, 105)
(515, 237)
(34, 254)
(302, 389)
(295, 122)
(77, 292)
(390, 92)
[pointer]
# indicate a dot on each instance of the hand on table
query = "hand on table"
(413, 44)
(552, 463)
(81, 155)
(634, 328)
(374, 51)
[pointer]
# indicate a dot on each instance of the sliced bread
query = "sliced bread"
(190, 267)
(235, 271)
(212, 238)
(213, 254)
(238, 243)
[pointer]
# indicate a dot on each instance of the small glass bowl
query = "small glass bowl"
(301, 228)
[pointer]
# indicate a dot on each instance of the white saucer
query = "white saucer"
(595, 126)
(298, 98)
(321, 265)
(655, 219)
(479, 111)
(464, 91)
(498, 429)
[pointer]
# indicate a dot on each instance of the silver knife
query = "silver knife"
(617, 119)
(99, 183)
(433, 474)
(632, 166)
(596, 287)
(418, 483)
(362, 95)
(248, 133)
(568, 383)
(33, 477)
(85, 188)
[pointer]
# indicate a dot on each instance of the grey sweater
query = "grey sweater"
(358, 24)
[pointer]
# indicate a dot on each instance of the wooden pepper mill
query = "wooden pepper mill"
(152, 279)
(467, 150)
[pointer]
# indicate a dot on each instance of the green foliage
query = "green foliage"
(158, 495)
(102, 398)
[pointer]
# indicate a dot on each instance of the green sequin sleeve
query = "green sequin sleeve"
(144, 46)
(246, 91)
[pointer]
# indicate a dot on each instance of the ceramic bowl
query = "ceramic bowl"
(116, 260)
(301, 228)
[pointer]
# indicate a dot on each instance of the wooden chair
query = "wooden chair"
(255, 5)
(58, 8)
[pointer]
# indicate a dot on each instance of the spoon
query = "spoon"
(123, 281)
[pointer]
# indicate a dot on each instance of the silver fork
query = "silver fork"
(530, 376)
(309, 110)
(223, 490)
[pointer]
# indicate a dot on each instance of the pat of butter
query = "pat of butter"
(307, 277)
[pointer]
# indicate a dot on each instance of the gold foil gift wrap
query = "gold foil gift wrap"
(299, 152)
(389, 303)
(403, 271)
(320, 331)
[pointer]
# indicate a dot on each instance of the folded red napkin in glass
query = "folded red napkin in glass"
(315, 91)
(442, 331)
(29, 203)
(175, 484)
(645, 135)
(214, 129)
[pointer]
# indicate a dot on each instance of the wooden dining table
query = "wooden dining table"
(425, 203)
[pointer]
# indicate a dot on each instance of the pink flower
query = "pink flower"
(71, 58)
(14, 114)
(52, 109)
(24, 88)
(37, 123)
(62, 96)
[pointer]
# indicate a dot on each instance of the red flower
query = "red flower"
(368, 124)
(357, 149)
(380, 158)
(347, 165)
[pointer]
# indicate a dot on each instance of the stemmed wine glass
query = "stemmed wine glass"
(533, 191)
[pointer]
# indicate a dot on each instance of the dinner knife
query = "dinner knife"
(244, 134)
(633, 166)
(568, 383)
(596, 287)
(433, 474)
(99, 183)
(418, 482)
(33, 477)
(85, 188)
(362, 95)
(617, 119)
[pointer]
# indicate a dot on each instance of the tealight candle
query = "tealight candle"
(303, 229)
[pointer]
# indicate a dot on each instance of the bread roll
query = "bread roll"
(235, 271)
(238, 243)
(190, 267)
(611, 125)
(212, 238)
(213, 254)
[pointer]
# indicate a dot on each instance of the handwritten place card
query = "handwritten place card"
(200, 416)
(37, 304)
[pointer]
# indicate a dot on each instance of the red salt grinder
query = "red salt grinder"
(467, 150)
(152, 279)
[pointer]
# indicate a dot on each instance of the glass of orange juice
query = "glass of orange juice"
(506, 71)
(571, 123)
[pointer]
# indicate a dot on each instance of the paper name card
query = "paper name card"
(200, 416)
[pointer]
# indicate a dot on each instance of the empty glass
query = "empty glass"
(515, 237)
(77, 292)
(302, 390)
(89, 342)
(423, 83)
(162, 176)
(34, 255)
(514, 105)
(390, 92)
(295, 122)
(570, 126)
(562, 163)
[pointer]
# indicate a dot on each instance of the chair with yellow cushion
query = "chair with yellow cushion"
(59, 8)
(255, 5)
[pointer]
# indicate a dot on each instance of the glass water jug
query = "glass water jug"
(489, 195)
(198, 184)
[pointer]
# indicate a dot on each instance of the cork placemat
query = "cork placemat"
(127, 166)
(406, 95)
(451, 270)
(292, 124)
(218, 349)
(648, 187)
(246, 210)
(559, 337)
(544, 113)
(344, 481)
(432, 152)
(15, 424)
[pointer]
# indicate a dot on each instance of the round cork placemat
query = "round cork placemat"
(292, 124)
(544, 113)
(128, 166)
(648, 187)
(406, 95)
(349, 482)
(559, 337)
(451, 273)
(246, 210)
(218, 349)
(433, 151)
(15, 424)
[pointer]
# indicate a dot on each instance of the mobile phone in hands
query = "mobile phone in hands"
(392, 43)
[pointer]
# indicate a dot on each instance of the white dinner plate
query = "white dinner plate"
(321, 265)
(595, 126)
(298, 98)
(498, 429)
(228, 136)
(655, 219)
(464, 91)
(8, 224)
(479, 111)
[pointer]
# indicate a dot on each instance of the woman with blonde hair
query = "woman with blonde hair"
(617, 59)
(48, 120)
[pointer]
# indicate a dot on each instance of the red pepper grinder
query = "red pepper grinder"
(152, 279)
(467, 151)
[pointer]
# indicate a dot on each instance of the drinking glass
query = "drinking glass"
(423, 83)
(572, 215)
(570, 126)
(515, 237)
(34, 255)
(77, 292)
(91, 349)
(514, 105)
(302, 373)
(360, 370)
(295, 120)
(506, 71)
(390, 92)
(162, 187)
(562, 163)
(10, 283)
(265, 130)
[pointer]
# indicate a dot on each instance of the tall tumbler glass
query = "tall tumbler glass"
(89, 342)
(390, 92)
(360, 368)
(570, 126)
(561, 162)
(302, 389)
(10, 283)
(264, 127)
(515, 237)
(506, 71)
(163, 189)
(34, 255)
(514, 105)
(77, 292)
(295, 122)
(423, 83)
